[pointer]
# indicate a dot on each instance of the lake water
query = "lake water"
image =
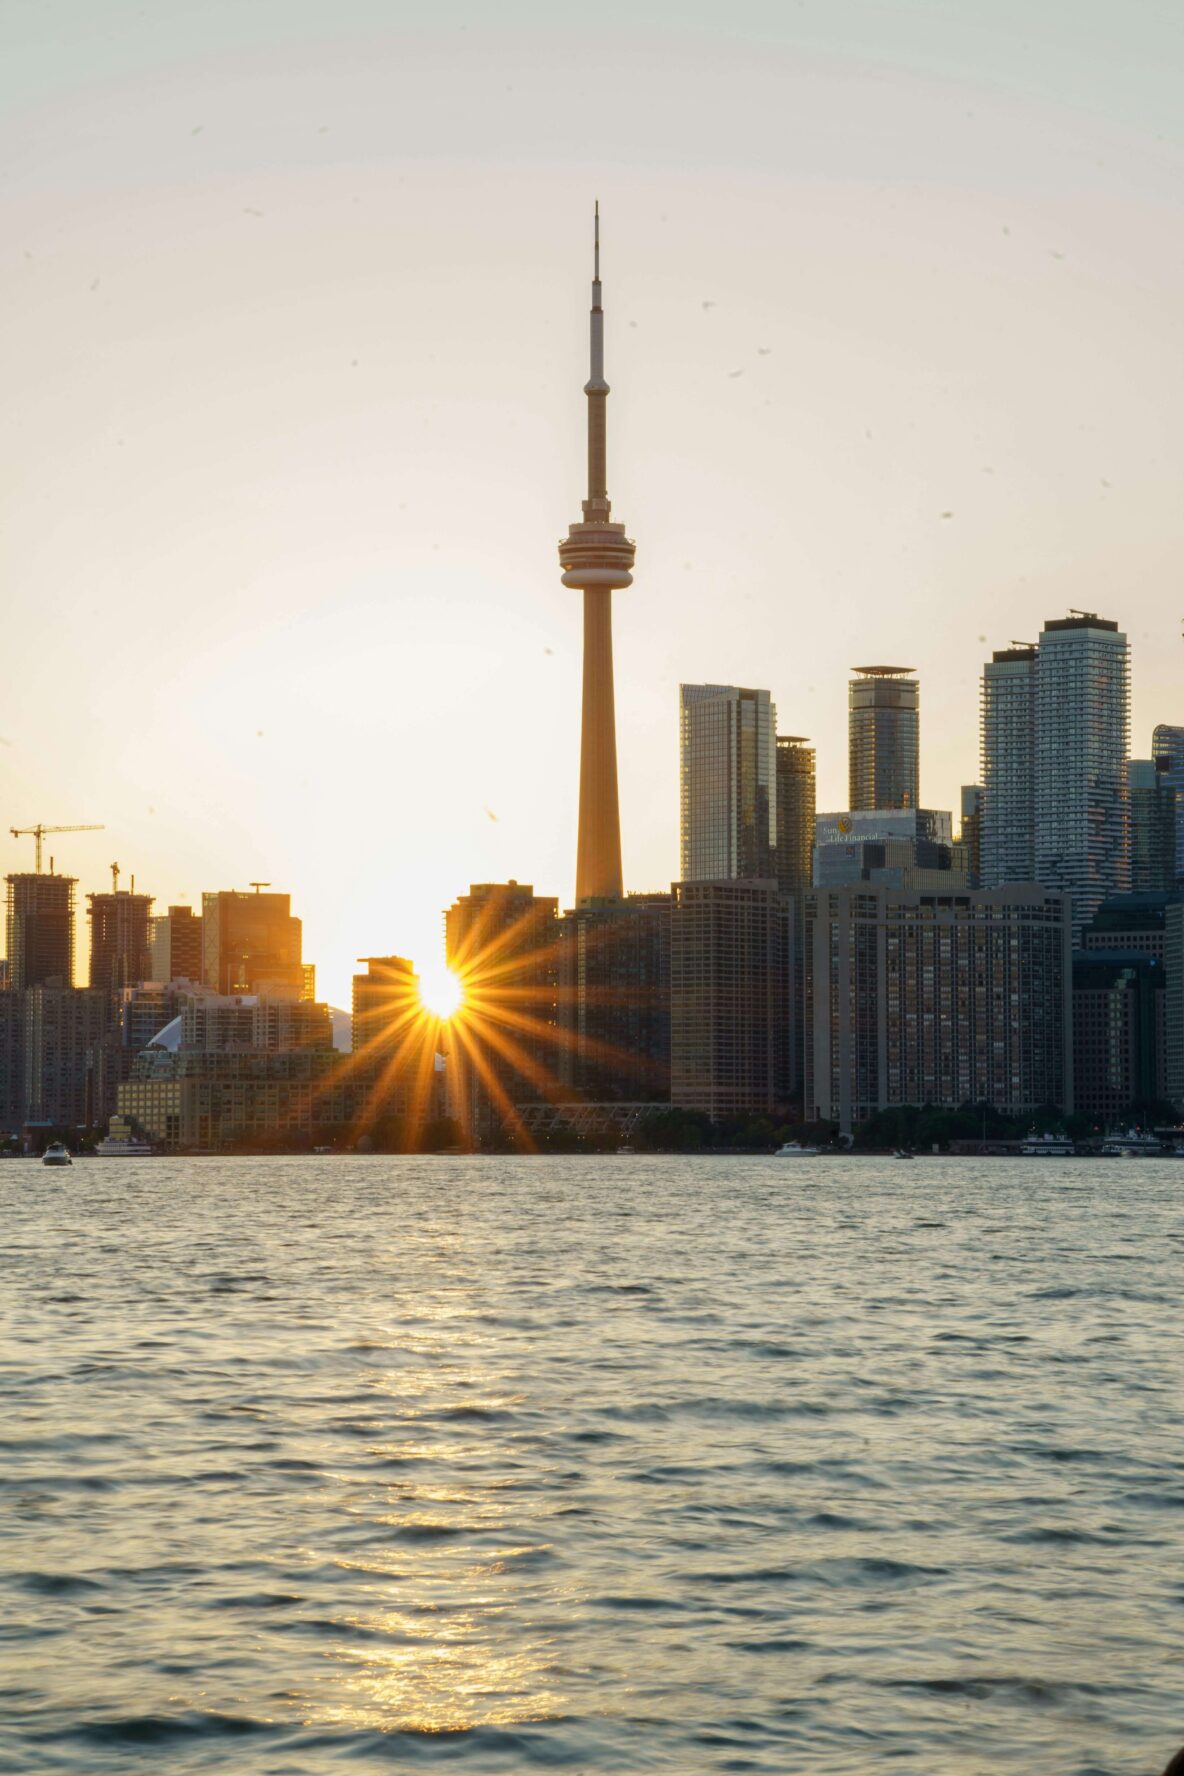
(640, 1464)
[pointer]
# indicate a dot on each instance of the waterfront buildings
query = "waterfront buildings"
(120, 947)
(731, 980)
(501, 943)
(1167, 744)
(393, 1069)
(884, 716)
(941, 999)
(727, 783)
(1119, 1004)
(62, 1036)
(175, 945)
(613, 1003)
(597, 559)
(40, 930)
(251, 944)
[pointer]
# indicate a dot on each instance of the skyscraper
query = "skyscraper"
(1167, 743)
(120, 949)
(1007, 739)
(731, 969)
(1082, 806)
(728, 783)
(884, 713)
(796, 807)
(251, 943)
(500, 942)
(1154, 817)
(614, 1001)
(175, 940)
(40, 931)
(597, 559)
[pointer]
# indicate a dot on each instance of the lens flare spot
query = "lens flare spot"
(440, 992)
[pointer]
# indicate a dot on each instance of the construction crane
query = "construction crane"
(37, 834)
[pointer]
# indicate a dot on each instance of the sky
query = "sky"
(296, 302)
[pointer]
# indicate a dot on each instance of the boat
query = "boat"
(56, 1154)
(903, 1153)
(795, 1150)
(121, 1142)
(1046, 1146)
(1134, 1144)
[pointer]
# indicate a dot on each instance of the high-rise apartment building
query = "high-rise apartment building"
(64, 1030)
(884, 737)
(968, 846)
(796, 808)
(1007, 738)
(1082, 807)
(120, 947)
(501, 942)
(597, 558)
(175, 943)
(1154, 817)
(1167, 744)
(1118, 1032)
(727, 783)
(393, 1069)
(614, 1001)
(731, 985)
(251, 944)
(40, 930)
(941, 999)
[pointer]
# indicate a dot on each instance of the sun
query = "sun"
(440, 992)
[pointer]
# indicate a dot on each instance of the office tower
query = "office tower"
(883, 714)
(1154, 816)
(613, 1011)
(731, 985)
(120, 951)
(394, 1047)
(1132, 922)
(727, 783)
(1007, 739)
(941, 999)
(175, 940)
(242, 1073)
(251, 944)
(1167, 743)
(1173, 973)
(1119, 1058)
(968, 847)
(597, 559)
(63, 1035)
(1082, 806)
(500, 941)
(40, 931)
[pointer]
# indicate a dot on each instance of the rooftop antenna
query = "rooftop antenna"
(257, 885)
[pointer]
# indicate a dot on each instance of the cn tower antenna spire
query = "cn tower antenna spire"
(597, 558)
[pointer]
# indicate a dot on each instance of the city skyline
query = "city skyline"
(854, 405)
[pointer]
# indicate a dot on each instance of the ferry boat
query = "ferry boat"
(121, 1142)
(1134, 1144)
(795, 1150)
(56, 1154)
(1047, 1146)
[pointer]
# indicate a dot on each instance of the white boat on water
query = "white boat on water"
(56, 1154)
(795, 1150)
(121, 1142)
(1134, 1144)
(1047, 1146)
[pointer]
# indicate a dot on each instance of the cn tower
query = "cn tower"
(597, 559)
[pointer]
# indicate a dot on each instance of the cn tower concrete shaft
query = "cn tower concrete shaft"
(598, 850)
(597, 558)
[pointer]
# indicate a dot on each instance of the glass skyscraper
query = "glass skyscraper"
(1167, 743)
(1082, 805)
(884, 718)
(728, 783)
(1007, 839)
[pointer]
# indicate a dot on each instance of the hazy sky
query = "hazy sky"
(296, 331)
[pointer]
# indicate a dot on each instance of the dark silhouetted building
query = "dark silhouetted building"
(731, 985)
(1167, 744)
(64, 1032)
(501, 942)
(941, 999)
(393, 1072)
(1154, 815)
(968, 850)
(120, 950)
(1119, 1006)
(613, 1003)
(40, 930)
